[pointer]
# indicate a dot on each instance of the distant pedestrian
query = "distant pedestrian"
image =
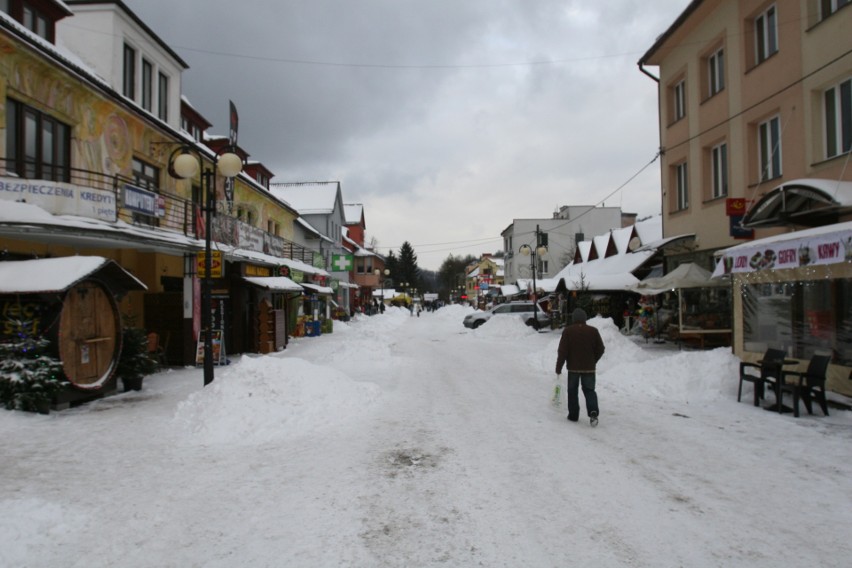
(580, 348)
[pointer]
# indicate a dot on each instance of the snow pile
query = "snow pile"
(681, 376)
(266, 398)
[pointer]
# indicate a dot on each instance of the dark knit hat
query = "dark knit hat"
(579, 316)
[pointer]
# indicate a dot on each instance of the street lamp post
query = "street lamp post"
(534, 254)
(185, 163)
(378, 274)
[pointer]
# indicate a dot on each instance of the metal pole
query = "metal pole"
(535, 294)
(207, 284)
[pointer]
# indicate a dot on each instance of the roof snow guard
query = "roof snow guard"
(802, 202)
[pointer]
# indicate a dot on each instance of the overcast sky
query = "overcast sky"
(446, 119)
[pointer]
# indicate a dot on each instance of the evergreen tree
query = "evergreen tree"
(407, 266)
(392, 265)
(29, 377)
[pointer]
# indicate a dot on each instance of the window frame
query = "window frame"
(162, 96)
(681, 175)
(146, 176)
(147, 85)
(679, 100)
(26, 151)
(769, 148)
(716, 72)
(837, 118)
(128, 85)
(829, 7)
(719, 177)
(766, 34)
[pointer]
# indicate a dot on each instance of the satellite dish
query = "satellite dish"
(634, 244)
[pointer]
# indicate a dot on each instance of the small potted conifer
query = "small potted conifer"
(134, 362)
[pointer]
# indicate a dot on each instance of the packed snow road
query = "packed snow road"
(412, 441)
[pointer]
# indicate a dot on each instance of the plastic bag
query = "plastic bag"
(557, 394)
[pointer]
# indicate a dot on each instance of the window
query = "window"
(37, 145)
(679, 101)
(716, 72)
(828, 7)
(804, 317)
(719, 170)
(163, 97)
(35, 21)
(129, 84)
(766, 34)
(147, 84)
(147, 177)
(838, 119)
(769, 148)
(682, 186)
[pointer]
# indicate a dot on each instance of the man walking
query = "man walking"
(580, 348)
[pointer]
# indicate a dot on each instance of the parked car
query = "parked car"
(524, 310)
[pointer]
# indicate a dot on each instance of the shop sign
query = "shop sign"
(58, 198)
(297, 276)
(254, 270)
(215, 264)
(318, 261)
(737, 231)
(736, 206)
(828, 248)
(250, 238)
(143, 201)
(284, 271)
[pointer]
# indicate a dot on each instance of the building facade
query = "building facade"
(755, 111)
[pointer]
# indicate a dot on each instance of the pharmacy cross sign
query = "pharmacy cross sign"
(341, 262)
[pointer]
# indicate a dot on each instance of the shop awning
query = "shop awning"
(688, 275)
(802, 202)
(321, 290)
(823, 245)
(50, 275)
(277, 283)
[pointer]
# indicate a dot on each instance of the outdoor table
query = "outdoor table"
(778, 406)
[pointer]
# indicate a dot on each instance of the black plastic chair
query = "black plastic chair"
(768, 373)
(811, 383)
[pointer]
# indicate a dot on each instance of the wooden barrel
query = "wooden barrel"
(89, 338)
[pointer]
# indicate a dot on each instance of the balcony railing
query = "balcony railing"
(99, 196)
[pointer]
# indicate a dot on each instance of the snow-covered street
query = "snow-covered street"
(412, 441)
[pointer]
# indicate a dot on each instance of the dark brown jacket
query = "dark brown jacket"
(580, 348)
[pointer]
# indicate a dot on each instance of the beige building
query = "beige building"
(750, 96)
(755, 110)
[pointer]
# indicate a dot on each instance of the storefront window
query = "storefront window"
(803, 318)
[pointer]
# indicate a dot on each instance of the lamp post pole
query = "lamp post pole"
(208, 181)
(184, 163)
(533, 253)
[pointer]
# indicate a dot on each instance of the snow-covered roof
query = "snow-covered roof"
(352, 213)
(274, 283)
(51, 275)
(614, 272)
(321, 290)
(308, 198)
